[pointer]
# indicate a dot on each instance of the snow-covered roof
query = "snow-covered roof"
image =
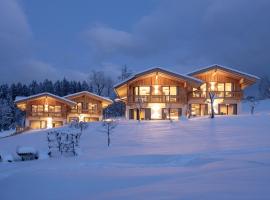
(21, 99)
(159, 69)
(90, 94)
(216, 66)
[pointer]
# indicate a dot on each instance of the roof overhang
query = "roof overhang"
(181, 77)
(45, 94)
(105, 101)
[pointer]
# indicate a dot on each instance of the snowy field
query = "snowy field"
(225, 158)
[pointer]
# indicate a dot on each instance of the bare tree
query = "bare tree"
(139, 106)
(108, 126)
(125, 73)
(252, 103)
(264, 87)
(98, 80)
(212, 96)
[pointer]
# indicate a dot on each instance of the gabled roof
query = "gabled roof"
(159, 69)
(223, 68)
(89, 94)
(62, 99)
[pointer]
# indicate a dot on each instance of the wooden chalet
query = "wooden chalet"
(161, 94)
(46, 110)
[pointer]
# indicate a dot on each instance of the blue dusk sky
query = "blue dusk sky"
(69, 38)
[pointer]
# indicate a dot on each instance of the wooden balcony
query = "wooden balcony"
(86, 111)
(222, 95)
(156, 98)
(47, 114)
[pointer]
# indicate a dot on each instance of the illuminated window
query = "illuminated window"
(92, 107)
(195, 110)
(166, 90)
(144, 90)
(220, 87)
(51, 108)
(40, 108)
(136, 90)
(173, 90)
(228, 87)
(79, 107)
(156, 90)
(212, 86)
(57, 109)
(34, 108)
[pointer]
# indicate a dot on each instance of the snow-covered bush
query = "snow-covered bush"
(27, 153)
(6, 158)
(78, 125)
(63, 141)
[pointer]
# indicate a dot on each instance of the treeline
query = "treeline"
(98, 82)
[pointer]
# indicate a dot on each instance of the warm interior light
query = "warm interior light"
(81, 118)
(156, 89)
(212, 86)
(49, 122)
(156, 109)
(46, 108)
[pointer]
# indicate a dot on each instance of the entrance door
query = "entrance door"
(147, 113)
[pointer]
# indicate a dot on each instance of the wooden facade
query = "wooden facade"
(148, 90)
(46, 110)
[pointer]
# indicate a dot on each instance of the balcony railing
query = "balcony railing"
(86, 111)
(155, 98)
(222, 94)
(48, 114)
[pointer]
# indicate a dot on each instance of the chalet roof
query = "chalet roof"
(227, 69)
(20, 99)
(90, 94)
(159, 69)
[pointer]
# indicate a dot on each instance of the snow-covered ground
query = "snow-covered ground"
(224, 158)
(6, 133)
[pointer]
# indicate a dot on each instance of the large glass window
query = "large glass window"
(166, 90)
(220, 87)
(40, 108)
(92, 107)
(34, 108)
(51, 108)
(144, 90)
(79, 107)
(228, 89)
(173, 90)
(57, 109)
(169, 90)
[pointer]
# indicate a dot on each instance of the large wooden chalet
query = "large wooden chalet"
(46, 110)
(161, 94)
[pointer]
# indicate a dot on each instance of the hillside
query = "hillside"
(224, 158)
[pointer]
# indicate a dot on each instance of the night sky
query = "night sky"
(68, 38)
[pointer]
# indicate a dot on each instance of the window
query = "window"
(136, 90)
(228, 89)
(40, 108)
(195, 110)
(220, 87)
(144, 90)
(79, 107)
(166, 90)
(57, 109)
(34, 108)
(173, 90)
(156, 90)
(92, 107)
(169, 90)
(51, 108)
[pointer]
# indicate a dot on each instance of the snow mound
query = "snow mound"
(26, 149)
